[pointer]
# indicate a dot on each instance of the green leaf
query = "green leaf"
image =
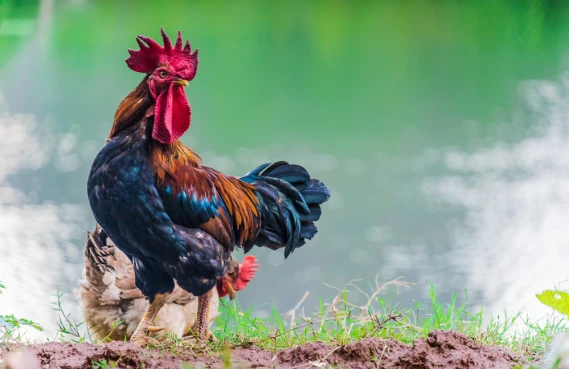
(6, 322)
(557, 300)
(11, 322)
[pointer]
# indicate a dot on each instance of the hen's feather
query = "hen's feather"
(113, 306)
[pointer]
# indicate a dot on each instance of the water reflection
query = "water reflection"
(512, 241)
(38, 249)
(492, 221)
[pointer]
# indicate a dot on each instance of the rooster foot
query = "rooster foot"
(195, 338)
(200, 329)
(140, 335)
(205, 336)
(144, 341)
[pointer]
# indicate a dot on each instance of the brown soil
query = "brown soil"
(439, 350)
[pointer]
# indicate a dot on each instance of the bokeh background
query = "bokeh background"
(441, 127)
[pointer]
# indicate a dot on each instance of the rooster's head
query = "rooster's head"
(169, 69)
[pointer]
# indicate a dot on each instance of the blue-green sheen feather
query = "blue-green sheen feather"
(290, 204)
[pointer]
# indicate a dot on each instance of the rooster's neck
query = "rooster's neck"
(133, 109)
(134, 117)
(169, 161)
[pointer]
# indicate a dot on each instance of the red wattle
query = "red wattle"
(171, 115)
(221, 289)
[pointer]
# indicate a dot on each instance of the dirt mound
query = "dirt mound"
(83, 356)
(439, 350)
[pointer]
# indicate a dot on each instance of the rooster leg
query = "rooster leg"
(201, 326)
(140, 335)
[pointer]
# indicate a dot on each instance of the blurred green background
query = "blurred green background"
(370, 96)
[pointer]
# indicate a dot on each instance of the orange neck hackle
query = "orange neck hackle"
(169, 160)
(132, 109)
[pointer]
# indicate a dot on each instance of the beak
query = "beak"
(180, 82)
(230, 291)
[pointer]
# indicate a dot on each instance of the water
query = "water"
(441, 130)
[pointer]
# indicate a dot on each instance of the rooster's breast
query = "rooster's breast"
(126, 203)
(124, 199)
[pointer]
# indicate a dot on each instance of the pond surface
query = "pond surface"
(441, 128)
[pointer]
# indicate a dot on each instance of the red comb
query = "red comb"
(247, 271)
(181, 60)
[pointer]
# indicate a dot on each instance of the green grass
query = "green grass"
(103, 364)
(341, 321)
(12, 328)
(68, 329)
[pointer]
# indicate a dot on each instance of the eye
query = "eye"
(163, 74)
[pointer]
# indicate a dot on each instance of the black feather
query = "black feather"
(300, 186)
(290, 204)
(314, 215)
(284, 187)
(272, 166)
(290, 173)
(273, 236)
(316, 192)
(258, 170)
(308, 230)
(267, 192)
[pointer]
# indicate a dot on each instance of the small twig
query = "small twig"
(292, 312)
(295, 328)
(323, 360)
(382, 354)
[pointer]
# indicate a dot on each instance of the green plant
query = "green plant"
(69, 329)
(341, 321)
(102, 364)
(557, 300)
(12, 328)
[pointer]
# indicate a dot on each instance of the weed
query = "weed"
(12, 328)
(103, 364)
(341, 322)
(69, 329)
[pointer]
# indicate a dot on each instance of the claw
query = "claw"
(192, 338)
(154, 328)
(145, 341)
(140, 335)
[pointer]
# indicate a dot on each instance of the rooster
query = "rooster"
(113, 306)
(174, 218)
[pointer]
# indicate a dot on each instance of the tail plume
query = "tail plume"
(290, 205)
